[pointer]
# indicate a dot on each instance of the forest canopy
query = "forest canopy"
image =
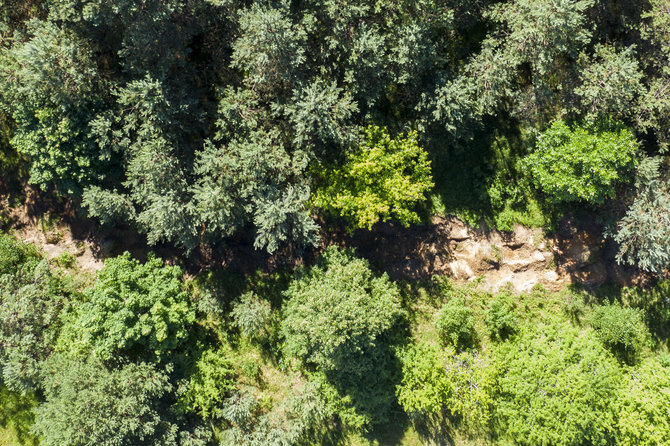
(275, 154)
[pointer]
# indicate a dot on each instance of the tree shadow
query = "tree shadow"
(368, 380)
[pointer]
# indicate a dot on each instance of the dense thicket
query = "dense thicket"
(270, 123)
(195, 119)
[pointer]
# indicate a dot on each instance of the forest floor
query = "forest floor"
(521, 259)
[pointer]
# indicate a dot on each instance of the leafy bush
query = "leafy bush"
(133, 308)
(296, 420)
(338, 311)
(579, 164)
(456, 324)
(424, 387)
(622, 330)
(251, 315)
(384, 178)
(644, 406)
(555, 387)
(501, 319)
(464, 384)
(211, 382)
(15, 254)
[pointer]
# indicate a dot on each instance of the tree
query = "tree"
(50, 88)
(425, 387)
(622, 330)
(581, 165)
(556, 385)
(464, 384)
(501, 320)
(252, 315)
(87, 403)
(31, 303)
(338, 318)
(384, 178)
(338, 310)
(610, 84)
(643, 234)
(134, 309)
(212, 380)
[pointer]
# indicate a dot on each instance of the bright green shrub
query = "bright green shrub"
(211, 382)
(472, 378)
(133, 308)
(384, 178)
(424, 387)
(556, 385)
(644, 406)
(464, 384)
(501, 321)
(581, 165)
(622, 330)
(456, 324)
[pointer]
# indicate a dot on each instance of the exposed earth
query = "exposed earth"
(519, 259)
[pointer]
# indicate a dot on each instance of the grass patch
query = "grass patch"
(16, 418)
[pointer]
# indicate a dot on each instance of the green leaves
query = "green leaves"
(581, 165)
(384, 178)
(644, 406)
(556, 384)
(134, 309)
(338, 311)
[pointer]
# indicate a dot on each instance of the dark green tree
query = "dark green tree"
(87, 403)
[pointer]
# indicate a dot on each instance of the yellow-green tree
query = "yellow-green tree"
(383, 178)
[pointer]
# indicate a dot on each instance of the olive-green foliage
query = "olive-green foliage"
(581, 165)
(337, 311)
(455, 324)
(133, 308)
(620, 329)
(384, 178)
(298, 419)
(501, 321)
(16, 255)
(88, 404)
(556, 386)
(16, 418)
(252, 315)
(31, 301)
(643, 406)
(210, 383)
